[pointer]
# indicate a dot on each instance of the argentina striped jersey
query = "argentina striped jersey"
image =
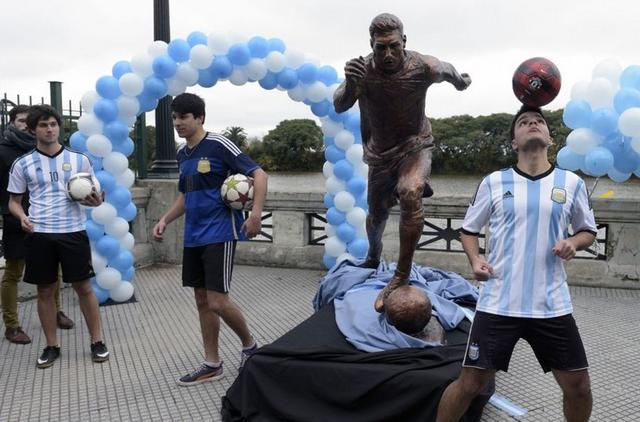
(45, 178)
(527, 216)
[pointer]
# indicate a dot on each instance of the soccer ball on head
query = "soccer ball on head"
(536, 82)
(80, 185)
(237, 191)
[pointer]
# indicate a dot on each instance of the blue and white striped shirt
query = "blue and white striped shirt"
(527, 216)
(45, 178)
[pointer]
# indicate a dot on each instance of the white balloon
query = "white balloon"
(600, 93)
(142, 65)
(238, 77)
(362, 170)
(89, 124)
(89, 99)
(201, 56)
(99, 145)
(130, 121)
(334, 185)
(329, 230)
(236, 37)
(334, 246)
(344, 140)
(297, 93)
(331, 128)
(609, 69)
(345, 256)
(316, 91)
(127, 241)
(327, 169)
(122, 292)
(131, 84)
(104, 213)
(344, 201)
(256, 69)
(126, 178)
(361, 232)
(354, 154)
(579, 91)
(128, 106)
(115, 163)
(187, 74)
(157, 48)
(109, 278)
(582, 140)
(175, 87)
(629, 122)
(357, 217)
(117, 228)
(218, 43)
(293, 58)
(635, 144)
(331, 89)
(98, 262)
(275, 61)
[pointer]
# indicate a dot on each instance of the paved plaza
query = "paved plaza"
(156, 339)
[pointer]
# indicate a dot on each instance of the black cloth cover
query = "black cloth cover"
(313, 374)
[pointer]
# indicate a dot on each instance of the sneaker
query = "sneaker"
(48, 356)
(202, 374)
(64, 322)
(245, 354)
(99, 352)
(17, 336)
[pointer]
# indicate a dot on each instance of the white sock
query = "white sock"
(213, 364)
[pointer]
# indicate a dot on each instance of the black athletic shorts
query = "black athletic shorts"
(12, 237)
(45, 252)
(555, 341)
(209, 266)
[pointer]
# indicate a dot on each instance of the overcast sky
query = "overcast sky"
(77, 41)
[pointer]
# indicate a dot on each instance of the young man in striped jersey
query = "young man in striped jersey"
(211, 229)
(55, 228)
(529, 208)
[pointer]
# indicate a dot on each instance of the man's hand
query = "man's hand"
(94, 199)
(26, 224)
(464, 82)
(251, 226)
(481, 269)
(355, 70)
(158, 230)
(564, 249)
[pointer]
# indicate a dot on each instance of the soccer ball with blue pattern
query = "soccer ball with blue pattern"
(80, 186)
(237, 191)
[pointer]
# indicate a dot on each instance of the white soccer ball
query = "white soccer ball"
(80, 185)
(237, 191)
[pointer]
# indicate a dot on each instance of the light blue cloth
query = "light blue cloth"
(355, 289)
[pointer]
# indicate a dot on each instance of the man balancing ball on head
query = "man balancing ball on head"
(390, 86)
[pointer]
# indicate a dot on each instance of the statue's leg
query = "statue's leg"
(380, 200)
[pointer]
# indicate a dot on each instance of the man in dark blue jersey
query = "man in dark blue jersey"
(211, 229)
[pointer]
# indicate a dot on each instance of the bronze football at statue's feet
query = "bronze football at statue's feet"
(393, 284)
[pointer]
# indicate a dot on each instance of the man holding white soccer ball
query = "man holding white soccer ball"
(55, 227)
(212, 228)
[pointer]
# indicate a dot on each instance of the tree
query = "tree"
(294, 145)
(237, 135)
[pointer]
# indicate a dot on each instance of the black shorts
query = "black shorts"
(12, 237)
(555, 341)
(45, 252)
(209, 266)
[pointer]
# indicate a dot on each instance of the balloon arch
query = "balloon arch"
(135, 86)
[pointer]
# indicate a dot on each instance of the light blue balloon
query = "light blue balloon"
(598, 161)
(239, 54)
(288, 78)
(154, 88)
(327, 75)
(108, 87)
(362, 202)
(102, 295)
(196, 38)
(637, 172)
(618, 176)
(337, 117)
(335, 217)
(94, 230)
(333, 154)
(125, 147)
(129, 274)
(122, 261)
(147, 103)
(259, 47)
(164, 67)
(276, 44)
(328, 141)
(328, 200)
(119, 197)
(129, 212)
(328, 261)
(105, 110)
(207, 77)
(569, 160)
(352, 121)
(222, 66)
(270, 81)
(576, 114)
(604, 121)
(321, 109)
(345, 232)
(106, 179)
(96, 162)
(78, 141)
(343, 169)
(357, 186)
(179, 50)
(358, 247)
(307, 73)
(630, 77)
(626, 161)
(120, 68)
(108, 246)
(116, 131)
(626, 98)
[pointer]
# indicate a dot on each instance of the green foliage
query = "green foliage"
(237, 135)
(149, 148)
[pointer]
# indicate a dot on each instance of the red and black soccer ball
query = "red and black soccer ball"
(536, 82)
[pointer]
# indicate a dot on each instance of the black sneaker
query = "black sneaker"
(202, 374)
(48, 357)
(245, 354)
(99, 352)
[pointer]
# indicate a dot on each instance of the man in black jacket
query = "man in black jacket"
(16, 142)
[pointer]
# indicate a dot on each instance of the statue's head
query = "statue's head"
(408, 308)
(388, 42)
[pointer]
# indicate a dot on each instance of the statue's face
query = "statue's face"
(388, 51)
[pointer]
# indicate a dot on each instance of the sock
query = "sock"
(213, 364)
(253, 346)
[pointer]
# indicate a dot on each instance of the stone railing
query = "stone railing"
(293, 237)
